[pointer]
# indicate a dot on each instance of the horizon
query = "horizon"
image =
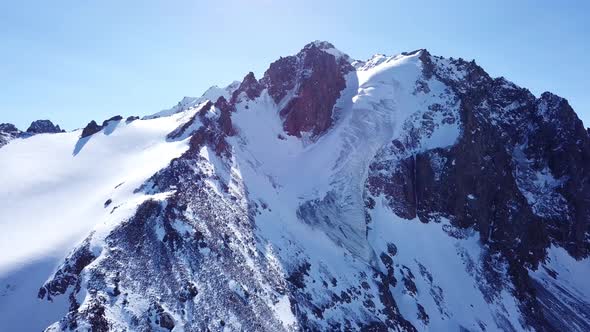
(73, 63)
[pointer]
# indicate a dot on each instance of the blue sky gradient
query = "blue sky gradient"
(73, 61)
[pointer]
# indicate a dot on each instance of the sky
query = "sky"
(75, 61)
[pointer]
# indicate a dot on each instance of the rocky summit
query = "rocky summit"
(409, 192)
(8, 131)
(43, 127)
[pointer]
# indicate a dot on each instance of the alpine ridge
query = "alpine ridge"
(403, 193)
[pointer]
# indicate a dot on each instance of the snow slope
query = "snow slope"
(53, 193)
(371, 111)
(327, 179)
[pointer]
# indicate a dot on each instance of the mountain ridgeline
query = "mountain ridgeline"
(403, 193)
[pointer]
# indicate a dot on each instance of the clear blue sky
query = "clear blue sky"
(73, 61)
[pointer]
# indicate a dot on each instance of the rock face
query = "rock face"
(91, 128)
(249, 86)
(115, 118)
(440, 199)
(8, 132)
(312, 81)
(224, 120)
(490, 178)
(44, 127)
(131, 118)
(519, 173)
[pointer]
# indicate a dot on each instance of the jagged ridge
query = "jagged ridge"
(300, 197)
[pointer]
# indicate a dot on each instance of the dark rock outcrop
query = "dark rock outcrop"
(8, 132)
(224, 121)
(68, 275)
(131, 118)
(43, 127)
(9, 128)
(113, 119)
(91, 128)
(209, 129)
(249, 86)
(213, 134)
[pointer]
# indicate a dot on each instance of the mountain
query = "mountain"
(8, 131)
(403, 193)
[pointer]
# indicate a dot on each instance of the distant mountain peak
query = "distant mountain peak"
(43, 126)
(326, 47)
(321, 44)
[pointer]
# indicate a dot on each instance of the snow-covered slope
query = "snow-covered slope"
(402, 193)
(54, 192)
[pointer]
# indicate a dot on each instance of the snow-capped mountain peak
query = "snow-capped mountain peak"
(327, 48)
(403, 193)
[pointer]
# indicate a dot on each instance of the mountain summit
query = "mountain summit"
(403, 193)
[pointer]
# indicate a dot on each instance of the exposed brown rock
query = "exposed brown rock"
(280, 77)
(249, 86)
(224, 120)
(315, 78)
